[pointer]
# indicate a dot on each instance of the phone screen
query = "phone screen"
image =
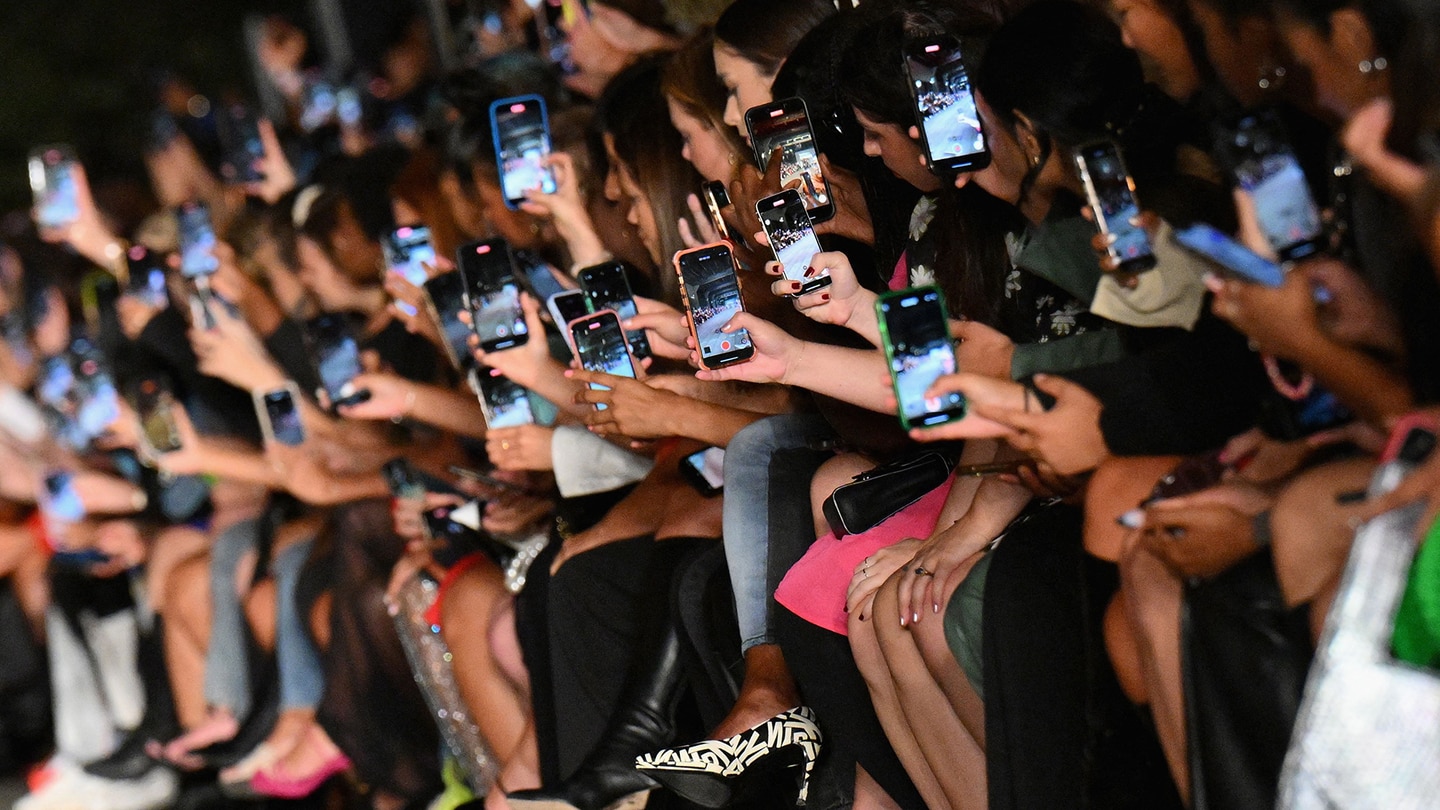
(1112, 198)
(600, 346)
(284, 417)
(493, 295)
(155, 407)
(147, 276)
(349, 107)
(243, 147)
(447, 300)
(317, 105)
(197, 241)
(712, 297)
(62, 502)
(522, 144)
(945, 106)
(709, 466)
(916, 336)
(407, 251)
(785, 125)
(96, 398)
(792, 238)
(1267, 170)
(506, 403)
(606, 287)
(402, 480)
(52, 179)
(1233, 256)
(337, 357)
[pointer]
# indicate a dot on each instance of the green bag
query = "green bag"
(1416, 639)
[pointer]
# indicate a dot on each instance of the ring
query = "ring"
(504, 445)
(922, 571)
(864, 573)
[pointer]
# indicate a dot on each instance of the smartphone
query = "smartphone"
(155, 407)
(244, 150)
(146, 278)
(716, 200)
(62, 501)
(279, 414)
(493, 294)
(337, 359)
(52, 181)
(490, 480)
(711, 289)
(705, 470)
(405, 484)
(600, 346)
(1264, 167)
(197, 240)
(452, 535)
(407, 251)
(537, 276)
(915, 333)
(522, 145)
(567, 306)
(97, 401)
(318, 105)
(445, 298)
(792, 237)
(1229, 254)
(785, 125)
(606, 287)
(349, 106)
(1111, 191)
(505, 403)
(950, 128)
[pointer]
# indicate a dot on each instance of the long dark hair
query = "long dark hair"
(632, 110)
(969, 227)
(766, 31)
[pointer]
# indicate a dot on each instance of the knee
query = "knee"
(187, 587)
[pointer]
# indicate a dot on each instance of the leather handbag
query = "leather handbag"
(873, 496)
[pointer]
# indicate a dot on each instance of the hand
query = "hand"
(121, 541)
(525, 363)
(776, 352)
(566, 209)
(1044, 482)
(124, 432)
(1365, 138)
(1067, 437)
(391, 397)
(978, 390)
(665, 327)
(279, 175)
(982, 349)
(88, 234)
(1354, 314)
(104, 494)
(1281, 321)
(1201, 535)
(1421, 486)
(872, 572)
(843, 303)
(190, 457)
(417, 558)
(524, 447)
(232, 352)
(748, 188)
(702, 232)
(631, 408)
(408, 514)
(1102, 241)
(229, 281)
(938, 567)
(852, 212)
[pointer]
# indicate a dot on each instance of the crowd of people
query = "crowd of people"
(267, 532)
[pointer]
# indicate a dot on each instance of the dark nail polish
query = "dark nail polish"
(825, 296)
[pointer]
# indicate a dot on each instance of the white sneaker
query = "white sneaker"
(60, 790)
(157, 789)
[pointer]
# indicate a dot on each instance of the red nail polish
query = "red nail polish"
(825, 296)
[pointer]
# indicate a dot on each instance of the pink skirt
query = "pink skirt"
(814, 588)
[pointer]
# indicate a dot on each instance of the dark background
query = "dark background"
(76, 71)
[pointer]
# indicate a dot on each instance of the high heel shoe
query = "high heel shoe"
(714, 773)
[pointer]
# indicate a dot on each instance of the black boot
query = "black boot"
(644, 717)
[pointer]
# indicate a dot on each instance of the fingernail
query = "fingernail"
(1133, 519)
(824, 296)
(935, 608)
(809, 271)
(915, 617)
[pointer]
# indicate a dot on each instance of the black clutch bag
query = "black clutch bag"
(874, 495)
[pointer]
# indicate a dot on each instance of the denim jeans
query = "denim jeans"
(227, 670)
(767, 519)
(302, 676)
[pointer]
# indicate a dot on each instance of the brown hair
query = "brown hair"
(688, 77)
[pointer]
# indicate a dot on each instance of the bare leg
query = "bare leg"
(468, 610)
(186, 636)
(1311, 533)
(866, 648)
(869, 795)
(1152, 598)
(768, 690)
(952, 753)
